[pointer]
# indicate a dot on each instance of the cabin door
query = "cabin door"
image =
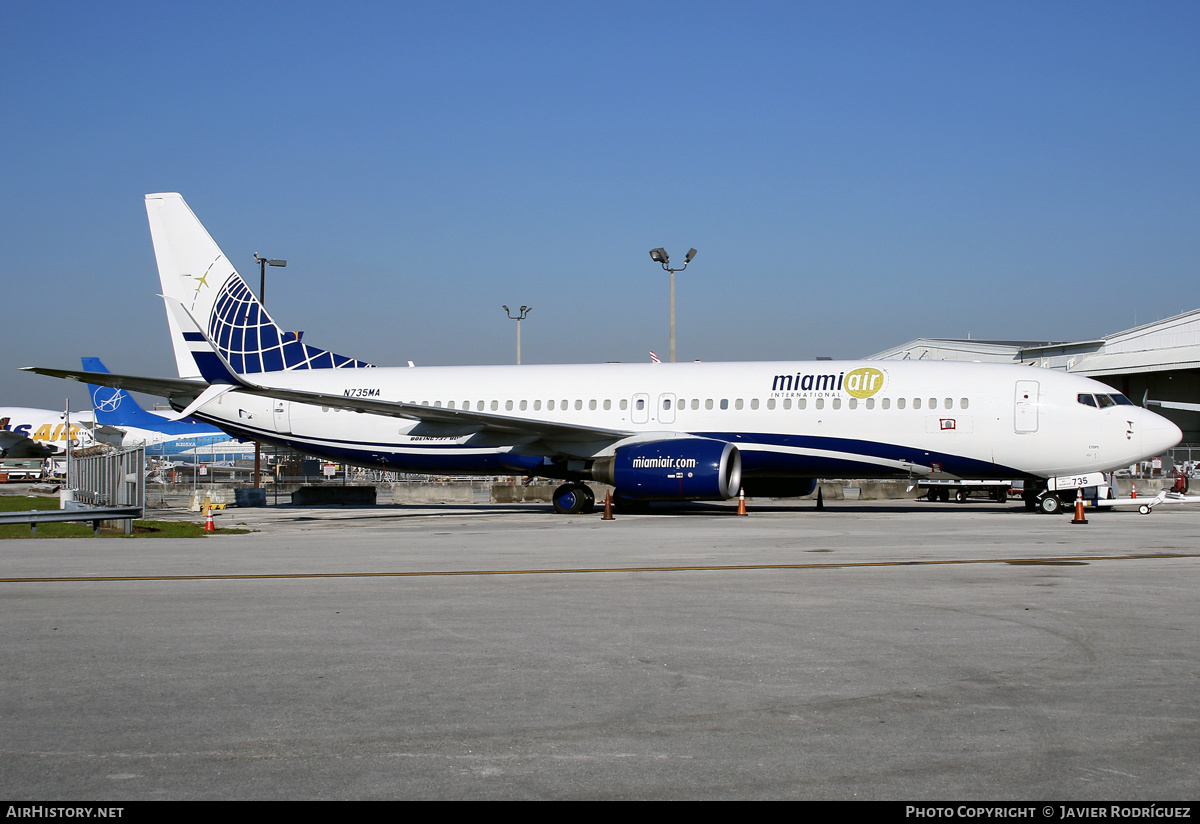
(1025, 416)
(283, 417)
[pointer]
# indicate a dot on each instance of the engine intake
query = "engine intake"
(680, 469)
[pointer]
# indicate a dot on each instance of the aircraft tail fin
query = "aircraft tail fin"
(195, 272)
(116, 407)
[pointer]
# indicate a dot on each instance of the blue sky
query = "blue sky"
(854, 175)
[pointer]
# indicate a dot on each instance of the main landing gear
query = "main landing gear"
(574, 499)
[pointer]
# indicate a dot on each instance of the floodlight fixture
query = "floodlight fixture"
(661, 257)
(522, 313)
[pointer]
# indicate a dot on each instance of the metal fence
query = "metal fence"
(1185, 457)
(111, 479)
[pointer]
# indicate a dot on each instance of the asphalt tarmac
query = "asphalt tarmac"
(876, 650)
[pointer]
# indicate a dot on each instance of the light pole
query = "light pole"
(660, 256)
(522, 313)
(67, 415)
(263, 263)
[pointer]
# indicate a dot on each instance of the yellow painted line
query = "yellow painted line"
(596, 570)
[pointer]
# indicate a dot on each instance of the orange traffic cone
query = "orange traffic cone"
(1134, 495)
(607, 516)
(741, 501)
(208, 521)
(1079, 519)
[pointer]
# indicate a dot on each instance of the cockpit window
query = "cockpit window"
(1122, 400)
(1105, 401)
(1087, 400)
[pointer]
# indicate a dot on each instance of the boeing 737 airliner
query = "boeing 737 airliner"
(679, 431)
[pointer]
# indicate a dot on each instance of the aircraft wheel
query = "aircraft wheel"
(569, 499)
(589, 502)
(1051, 505)
(1145, 510)
(960, 495)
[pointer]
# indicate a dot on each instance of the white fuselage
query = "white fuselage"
(787, 419)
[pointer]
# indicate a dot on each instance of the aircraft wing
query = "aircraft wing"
(219, 374)
(454, 418)
(184, 391)
(216, 370)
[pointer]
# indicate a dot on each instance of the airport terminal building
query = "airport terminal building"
(1159, 360)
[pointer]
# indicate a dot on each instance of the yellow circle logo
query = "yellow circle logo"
(865, 382)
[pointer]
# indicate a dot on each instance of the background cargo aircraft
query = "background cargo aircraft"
(679, 431)
(41, 433)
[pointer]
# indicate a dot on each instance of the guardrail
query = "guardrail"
(48, 516)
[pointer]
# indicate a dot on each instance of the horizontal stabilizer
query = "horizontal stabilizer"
(175, 389)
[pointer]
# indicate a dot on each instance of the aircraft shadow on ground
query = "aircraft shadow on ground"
(687, 508)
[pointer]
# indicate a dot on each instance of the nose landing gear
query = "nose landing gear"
(1050, 504)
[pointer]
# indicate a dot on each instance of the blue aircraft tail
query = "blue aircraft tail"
(116, 407)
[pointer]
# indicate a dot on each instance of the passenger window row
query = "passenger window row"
(737, 404)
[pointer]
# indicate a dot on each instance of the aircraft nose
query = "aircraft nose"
(1159, 434)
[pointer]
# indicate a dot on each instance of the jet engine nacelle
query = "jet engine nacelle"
(679, 469)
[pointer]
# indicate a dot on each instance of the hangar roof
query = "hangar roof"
(1153, 360)
(1169, 344)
